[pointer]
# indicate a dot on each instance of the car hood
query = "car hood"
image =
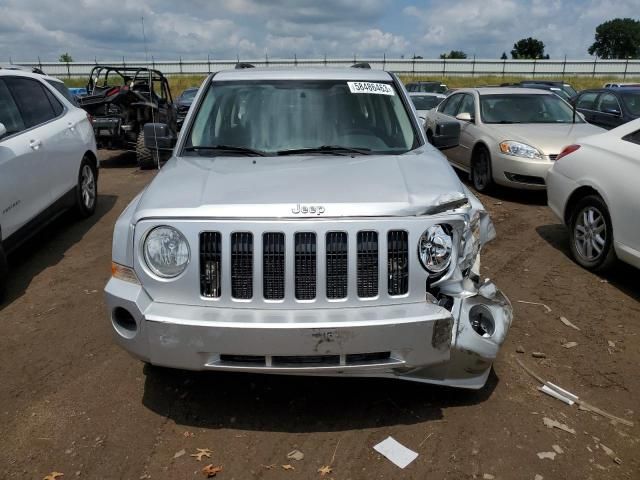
(420, 182)
(549, 138)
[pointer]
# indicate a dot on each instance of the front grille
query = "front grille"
(305, 266)
(242, 265)
(273, 265)
(337, 265)
(398, 262)
(367, 264)
(210, 264)
(302, 262)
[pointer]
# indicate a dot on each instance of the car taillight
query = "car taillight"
(567, 150)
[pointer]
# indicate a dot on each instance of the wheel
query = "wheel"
(481, 170)
(144, 156)
(591, 234)
(4, 273)
(87, 189)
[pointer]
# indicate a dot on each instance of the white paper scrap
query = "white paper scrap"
(396, 452)
(551, 392)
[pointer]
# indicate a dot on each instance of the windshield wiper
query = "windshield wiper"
(326, 149)
(225, 148)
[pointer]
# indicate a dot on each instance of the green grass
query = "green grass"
(178, 83)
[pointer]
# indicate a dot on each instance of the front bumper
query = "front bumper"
(416, 341)
(517, 172)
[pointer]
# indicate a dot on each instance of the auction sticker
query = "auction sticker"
(369, 87)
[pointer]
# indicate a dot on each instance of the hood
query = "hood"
(415, 183)
(549, 138)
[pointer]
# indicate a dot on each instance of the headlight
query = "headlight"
(166, 252)
(435, 248)
(518, 149)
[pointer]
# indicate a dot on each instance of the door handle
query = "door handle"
(35, 144)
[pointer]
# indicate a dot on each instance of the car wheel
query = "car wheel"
(591, 234)
(481, 170)
(4, 273)
(144, 156)
(87, 189)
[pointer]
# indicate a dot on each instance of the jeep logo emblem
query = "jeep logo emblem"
(308, 209)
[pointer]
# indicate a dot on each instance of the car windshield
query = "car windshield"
(277, 116)
(631, 100)
(188, 95)
(430, 88)
(526, 108)
(569, 90)
(425, 102)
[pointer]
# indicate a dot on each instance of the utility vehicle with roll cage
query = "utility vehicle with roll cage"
(121, 100)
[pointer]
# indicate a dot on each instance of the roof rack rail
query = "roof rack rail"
(361, 65)
(241, 65)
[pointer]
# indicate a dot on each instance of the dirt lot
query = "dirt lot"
(72, 402)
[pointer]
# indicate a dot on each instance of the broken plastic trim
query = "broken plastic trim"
(446, 206)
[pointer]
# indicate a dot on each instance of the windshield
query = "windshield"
(188, 95)
(631, 100)
(569, 90)
(526, 108)
(273, 117)
(425, 102)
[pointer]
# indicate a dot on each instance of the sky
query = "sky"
(224, 29)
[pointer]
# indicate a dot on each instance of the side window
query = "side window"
(467, 106)
(587, 100)
(62, 88)
(633, 137)
(451, 106)
(32, 101)
(55, 104)
(9, 113)
(608, 103)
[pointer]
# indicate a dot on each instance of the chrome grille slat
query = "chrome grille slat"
(367, 264)
(242, 265)
(337, 262)
(397, 262)
(273, 265)
(305, 265)
(210, 264)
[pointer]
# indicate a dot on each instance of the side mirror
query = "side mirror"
(446, 135)
(464, 117)
(3, 130)
(611, 111)
(158, 136)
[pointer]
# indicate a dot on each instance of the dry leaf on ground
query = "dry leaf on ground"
(288, 467)
(180, 453)
(202, 452)
(53, 476)
(211, 470)
(188, 434)
(326, 470)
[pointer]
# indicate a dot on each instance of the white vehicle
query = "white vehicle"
(48, 159)
(423, 102)
(593, 189)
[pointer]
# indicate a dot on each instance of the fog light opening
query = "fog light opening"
(482, 321)
(124, 322)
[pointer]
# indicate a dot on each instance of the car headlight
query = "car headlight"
(518, 149)
(166, 252)
(435, 248)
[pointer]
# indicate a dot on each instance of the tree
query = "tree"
(65, 58)
(503, 56)
(456, 54)
(528, 48)
(617, 38)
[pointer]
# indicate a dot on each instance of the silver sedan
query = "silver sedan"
(593, 189)
(509, 136)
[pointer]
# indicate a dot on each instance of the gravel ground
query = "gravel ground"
(72, 402)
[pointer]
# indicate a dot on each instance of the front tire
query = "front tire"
(87, 189)
(481, 172)
(591, 234)
(144, 156)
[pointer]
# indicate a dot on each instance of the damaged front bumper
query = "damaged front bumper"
(422, 342)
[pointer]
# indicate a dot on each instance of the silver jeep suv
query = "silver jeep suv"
(305, 226)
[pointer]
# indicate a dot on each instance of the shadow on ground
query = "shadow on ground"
(48, 246)
(297, 404)
(118, 159)
(622, 275)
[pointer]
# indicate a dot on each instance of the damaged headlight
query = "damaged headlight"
(435, 248)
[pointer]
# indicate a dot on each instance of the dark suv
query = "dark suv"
(609, 107)
(426, 87)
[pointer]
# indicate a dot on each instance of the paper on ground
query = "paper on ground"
(396, 452)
